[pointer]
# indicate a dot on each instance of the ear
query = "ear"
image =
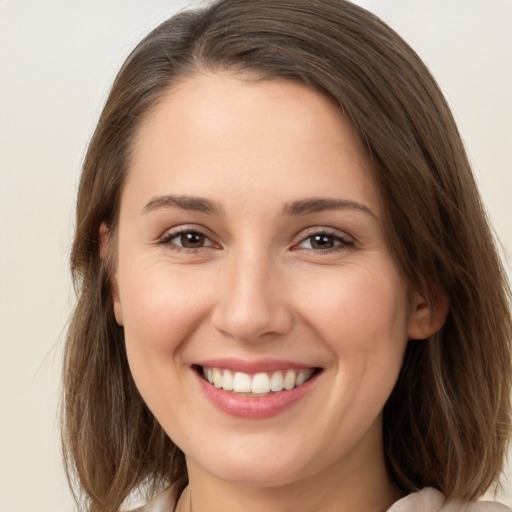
(427, 318)
(105, 255)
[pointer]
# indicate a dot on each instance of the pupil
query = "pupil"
(322, 242)
(192, 240)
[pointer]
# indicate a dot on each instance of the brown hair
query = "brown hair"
(447, 421)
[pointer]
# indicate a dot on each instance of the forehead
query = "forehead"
(213, 130)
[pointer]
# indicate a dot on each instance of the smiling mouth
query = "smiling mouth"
(256, 385)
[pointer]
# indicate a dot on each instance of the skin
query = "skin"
(260, 288)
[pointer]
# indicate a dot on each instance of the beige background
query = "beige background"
(57, 60)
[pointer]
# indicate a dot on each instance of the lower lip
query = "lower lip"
(255, 407)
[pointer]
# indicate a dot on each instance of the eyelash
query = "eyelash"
(343, 242)
(166, 240)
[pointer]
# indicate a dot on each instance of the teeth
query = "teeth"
(227, 381)
(242, 383)
(289, 380)
(301, 378)
(217, 378)
(258, 384)
(276, 381)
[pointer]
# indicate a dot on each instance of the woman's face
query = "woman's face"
(251, 249)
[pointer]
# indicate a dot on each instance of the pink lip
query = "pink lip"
(254, 407)
(252, 367)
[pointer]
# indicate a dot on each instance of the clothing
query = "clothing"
(163, 502)
(426, 500)
(431, 500)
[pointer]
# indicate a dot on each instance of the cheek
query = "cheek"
(363, 318)
(162, 306)
(359, 309)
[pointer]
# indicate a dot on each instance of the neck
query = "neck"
(360, 484)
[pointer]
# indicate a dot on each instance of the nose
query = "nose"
(252, 305)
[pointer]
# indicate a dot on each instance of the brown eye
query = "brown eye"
(325, 242)
(322, 242)
(186, 239)
(191, 240)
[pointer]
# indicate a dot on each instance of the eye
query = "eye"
(186, 239)
(325, 242)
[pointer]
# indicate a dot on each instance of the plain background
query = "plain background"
(57, 61)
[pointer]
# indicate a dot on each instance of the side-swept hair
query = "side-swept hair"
(447, 421)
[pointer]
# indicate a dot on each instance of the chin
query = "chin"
(257, 475)
(255, 468)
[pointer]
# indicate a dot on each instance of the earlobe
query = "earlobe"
(105, 241)
(118, 311)
(427, 318)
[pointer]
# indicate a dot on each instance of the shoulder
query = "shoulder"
(431, 500)
(163, 502)
(426, 500)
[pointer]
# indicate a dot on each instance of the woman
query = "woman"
(289, 295)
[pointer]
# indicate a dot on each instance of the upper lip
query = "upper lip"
(253, 366)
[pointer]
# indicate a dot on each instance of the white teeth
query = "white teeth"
(217, 378)
(302, 377)
(258, 384)
(242, 383)
(289, 380)
(227, 381)
(276, 382)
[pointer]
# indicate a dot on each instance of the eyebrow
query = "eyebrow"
(307, 206)
(295, 208)
(197, 204)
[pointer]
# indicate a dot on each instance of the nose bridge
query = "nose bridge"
(252, 304)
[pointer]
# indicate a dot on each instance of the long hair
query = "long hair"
(447, 421)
